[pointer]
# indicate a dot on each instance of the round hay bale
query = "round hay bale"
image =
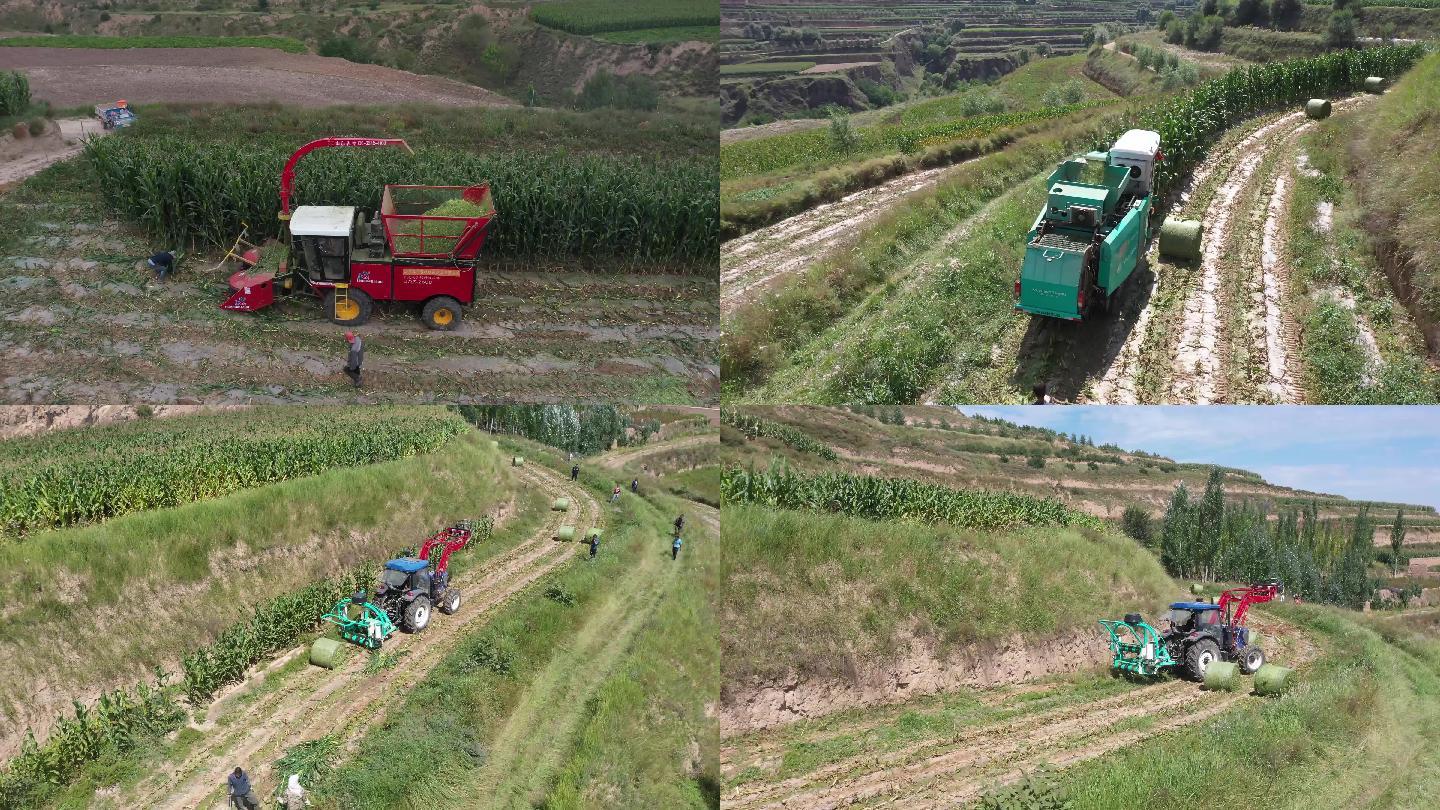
(517, 461)
(1374, 84)
(595, 533)
(560, 505)
(1222, 676)
(1273, 680)
(494, 444)
(1197, 588)
(565, 533)
(325, 652)
(1317, 108)
(1180, 238)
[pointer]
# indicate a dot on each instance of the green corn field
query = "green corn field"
(596, 16)
(14, 93)
(895, 499)
(66, 479)
(626, 210)
(754, 426)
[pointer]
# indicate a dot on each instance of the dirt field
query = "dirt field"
(23, 157)
(69, 77)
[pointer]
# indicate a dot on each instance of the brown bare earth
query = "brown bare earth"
(70, 77)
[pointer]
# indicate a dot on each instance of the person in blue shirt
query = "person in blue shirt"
(241, 794)
(675, 548)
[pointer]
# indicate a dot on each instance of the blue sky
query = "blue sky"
(1389, 453)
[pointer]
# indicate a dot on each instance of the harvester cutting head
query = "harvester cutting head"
(1136, 647)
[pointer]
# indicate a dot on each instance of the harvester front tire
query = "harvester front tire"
(450, 602)
(360, 308)
(1251, 660)
(441, 313)
(1199, 657)
(417, 614)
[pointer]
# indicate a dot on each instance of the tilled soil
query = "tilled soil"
(63, 139)
(70, 77)
(950, 769)
(751, 263)
(344, 702)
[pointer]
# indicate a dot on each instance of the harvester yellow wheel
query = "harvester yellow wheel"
(351, 310)
(441, 312)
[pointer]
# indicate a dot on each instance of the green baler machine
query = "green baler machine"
(1090, 236)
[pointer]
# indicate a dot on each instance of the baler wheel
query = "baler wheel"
(352, 310)
(1252, 659)
(417, 614)
(1200, 656)
(441, 313)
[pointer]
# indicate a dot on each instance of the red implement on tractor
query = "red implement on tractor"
(420, 247)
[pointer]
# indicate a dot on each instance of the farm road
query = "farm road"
(71, 77)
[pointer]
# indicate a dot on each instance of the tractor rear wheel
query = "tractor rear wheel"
(441, 312)
(417, 614)
(450, 602)
(1251, 660)
(353, 310)
(1200, 656)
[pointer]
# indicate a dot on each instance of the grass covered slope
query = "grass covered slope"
(1393, 164)
(105, 604)
(832, 594)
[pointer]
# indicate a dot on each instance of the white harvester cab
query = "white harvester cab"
(1139, 148)
(321, 235)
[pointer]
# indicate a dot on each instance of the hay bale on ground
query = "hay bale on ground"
(1180, 238)
(1374, 84)
(1222, 676)
(1317, 108)
(1273, 680)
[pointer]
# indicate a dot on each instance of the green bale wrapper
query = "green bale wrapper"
(595, 533)
(1273, 680)
(1222, 676)
(326, 652)
(517, 461)
(1374, 84)
(560, 505)
(565, 533)
(1317, 108)
(1180, 238)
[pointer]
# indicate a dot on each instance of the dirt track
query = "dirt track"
(70, 77)
(312, 702)
(1036, 726)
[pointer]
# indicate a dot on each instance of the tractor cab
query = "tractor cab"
(404, 575)
(1189, 617)
(321, 237)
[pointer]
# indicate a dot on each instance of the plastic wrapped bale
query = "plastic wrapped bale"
(1273, 680)
(560, 505)
(565, 533)
(1180, 238)
(594, 533)
(494, 445)
(1317, 108)
(1374, 84)
(1222, 676)
(517, 461)
(325, 652)
(1197, 588)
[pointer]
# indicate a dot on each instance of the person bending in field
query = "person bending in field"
(355, 358)
(163, 263)
(675, 547)
(241, 795)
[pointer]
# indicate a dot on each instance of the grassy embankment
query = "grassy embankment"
(287, 44)
(85, 597)
(589, 693)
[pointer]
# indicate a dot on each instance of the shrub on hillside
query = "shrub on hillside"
(632, 92)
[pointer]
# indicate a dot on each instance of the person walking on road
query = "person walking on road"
(594, 545)
(615, 494)
(675, 548)
(241, 794)
(355, 358)
(574, 472)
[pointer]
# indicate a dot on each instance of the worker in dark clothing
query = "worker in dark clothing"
(163, 263)
(240, 793)
(574, 472)
(679, 524)
(635, 485)
(594, 545)
(356, 357)
(1039, 392)
(675, 547)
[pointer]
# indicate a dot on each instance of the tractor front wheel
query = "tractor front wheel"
(417, 614)
(1200, 656)
(441, 312)
(450, 602)
(1251, 660)
(352, 310)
